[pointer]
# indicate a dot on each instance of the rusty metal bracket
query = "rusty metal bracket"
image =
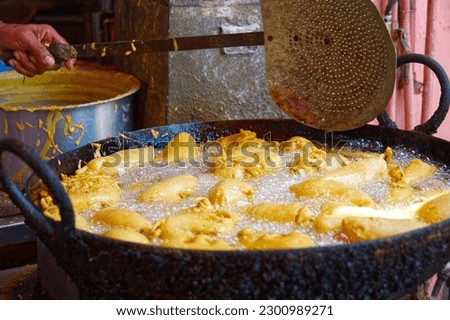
(403, 36)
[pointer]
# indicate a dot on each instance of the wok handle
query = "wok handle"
(429, 127)
(33, 215)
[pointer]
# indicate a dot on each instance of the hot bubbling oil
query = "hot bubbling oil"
(273, 187)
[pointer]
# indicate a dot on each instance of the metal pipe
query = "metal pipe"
(408, 88)
(388, 14)
(430, 48)
(413, 11)
(389, 7)
(391, 25)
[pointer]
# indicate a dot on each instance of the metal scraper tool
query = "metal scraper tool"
(330, 64)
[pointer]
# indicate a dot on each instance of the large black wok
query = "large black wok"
(106, 268)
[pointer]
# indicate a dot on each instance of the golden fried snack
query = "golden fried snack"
(44, 201)
(253, 240)
(331, 190)
(171, 190)
(400, 191)
(363, 229)
(180, 149)
(186, 225)
(436, 209)
(332, 214)
(102, 165)
(238, 139)
(417, 170)
(204, 219)
(90, 189)
(364, 170)
(387, 155)
(117, 217)
(245, 156)
(296, 143)
(96, 183)
(199, 242)
(311, 159)
(203, 205)
(81, 223)
(316, 161)
(230, 192)
(115, 163)
(281, 212)
(249, 160)
(129, 235)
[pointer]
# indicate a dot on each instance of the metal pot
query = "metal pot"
(59, 111)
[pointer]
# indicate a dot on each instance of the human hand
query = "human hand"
(28, 42)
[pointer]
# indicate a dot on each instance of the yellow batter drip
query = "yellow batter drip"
(5, 126)
(20, 126)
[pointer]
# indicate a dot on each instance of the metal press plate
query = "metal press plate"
(330, 64)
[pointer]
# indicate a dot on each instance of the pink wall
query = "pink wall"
(428, 29)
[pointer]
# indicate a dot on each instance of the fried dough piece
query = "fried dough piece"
(129, 235)
(436, 209)
(171, 190)
(335, 185)
(364, 170)
(199, 242)
(296, 143)
(91, 189)
(51, 211)
(95, 184)
(237, 139)
(118, 161)
(117, 217)
(81, 223)
(230, 192)
(248, 161)
(253, 240)
(363, 229)
(417, 170)
(311, 159)
(181, 148)
(203, 219)
(282, 212)
(332, 190)
(316, 161)
(245, 156)
(400, 191)
(332, 215)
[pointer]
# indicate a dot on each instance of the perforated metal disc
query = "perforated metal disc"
(330, 64)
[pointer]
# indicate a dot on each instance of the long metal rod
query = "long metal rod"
(430, 48)
(408, 90)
